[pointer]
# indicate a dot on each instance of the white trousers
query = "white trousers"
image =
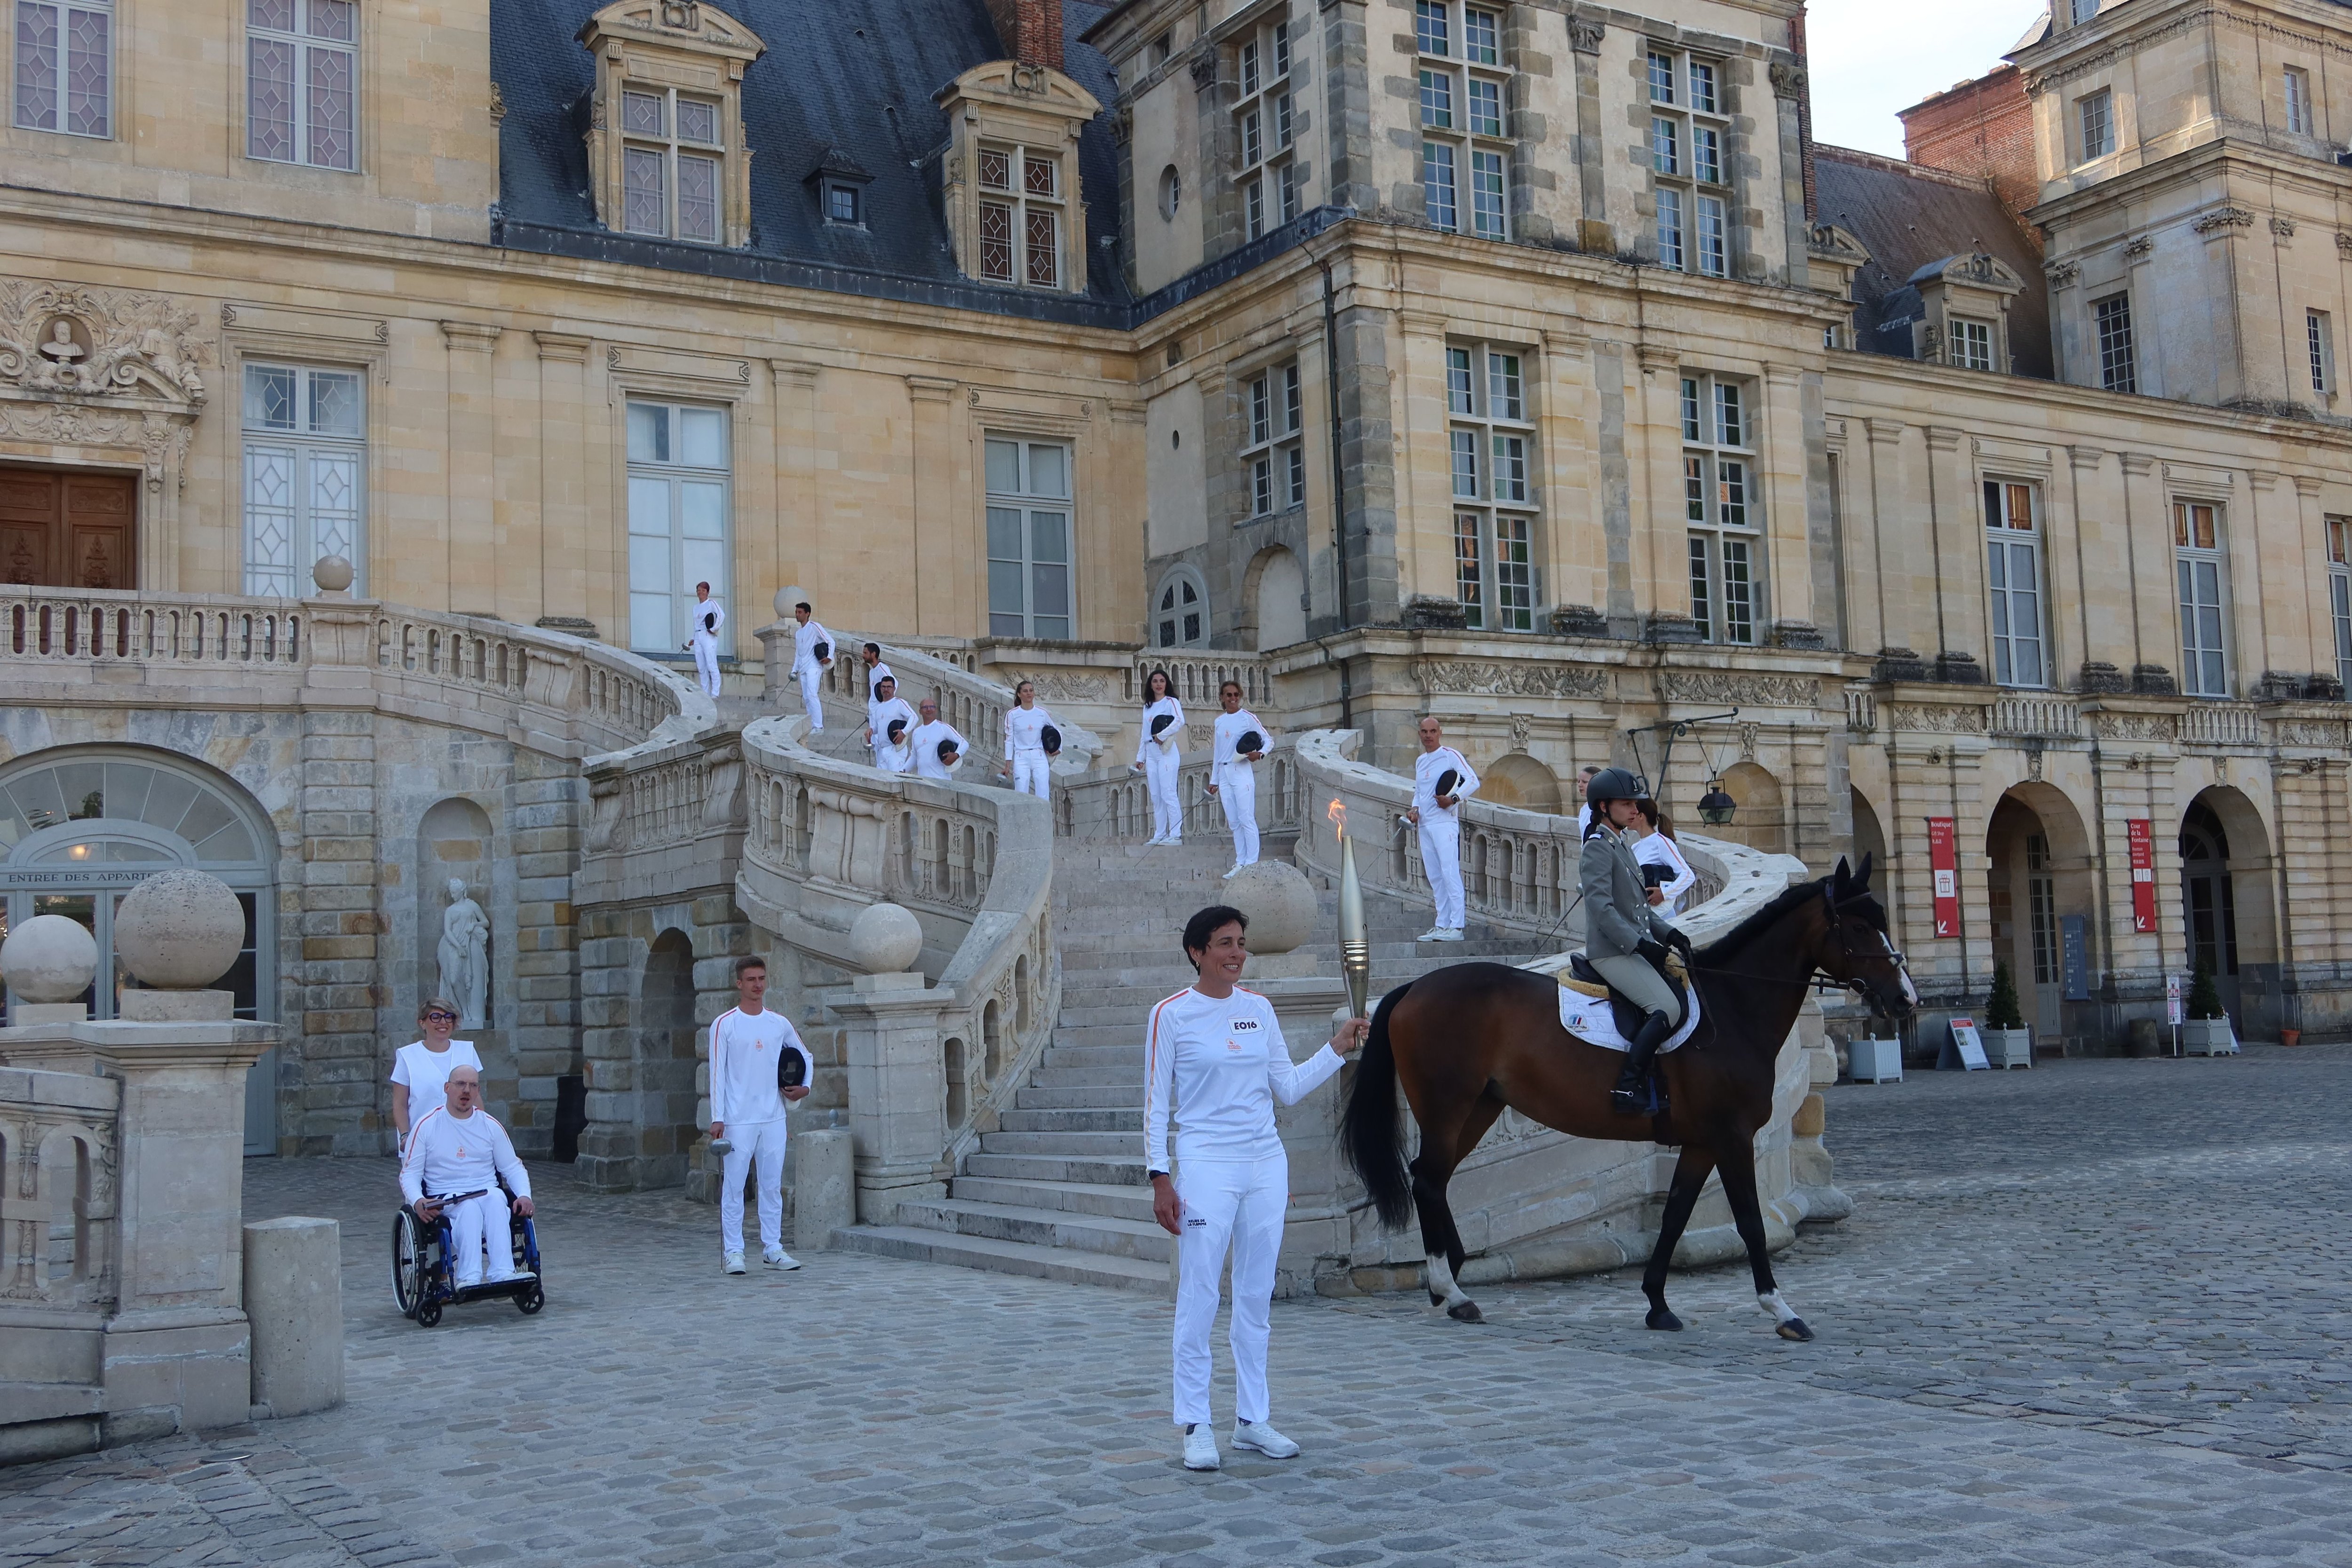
(811, 679)
(1033, 774)
(1441, 859)
(1160, 767)
(1238, 1204)
(706, 661)
(472, 1223)
(760, 1145)
(1238, 791)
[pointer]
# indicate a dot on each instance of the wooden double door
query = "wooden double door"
(69, 528)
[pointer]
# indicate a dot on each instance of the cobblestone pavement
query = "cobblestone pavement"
(2095, 1313)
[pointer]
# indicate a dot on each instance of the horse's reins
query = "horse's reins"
(1820, 983)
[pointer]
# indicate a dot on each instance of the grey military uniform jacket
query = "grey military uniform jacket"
(1611, 882)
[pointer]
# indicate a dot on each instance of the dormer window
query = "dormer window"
(1021, 216)
(1009, 178)
(842, 204)
(670, 162)
(665, 152)
(839, 184)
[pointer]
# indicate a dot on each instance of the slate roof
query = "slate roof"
(848, 78)
(1907, 217)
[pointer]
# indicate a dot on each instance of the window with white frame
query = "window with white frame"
(1023, 215)
(1688, 133)
(301, 82)
(1273, 179)
(2339, 594)
(679, 483)
(2296, 85)
(305, 437)
(672, 157)
(1465, 84)
(1726, 522)
(1490, 449)
(2095, 116)
(64, 66)
(2118, 365)
(2197, 561)
(1275, 456)
(1971, 343)
(2319, 348)
(2013, 580)
(1181, 612)
(1029, 564)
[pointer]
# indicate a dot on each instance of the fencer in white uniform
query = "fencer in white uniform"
(458, 1148)
(1025, 761)
(747, 1108)
(891, 757)
(1216, 1062)
(1439, 824)
(876, 672)
(707, 616)
(807, 668)
(1232, 777)
(1658, 848)
(924, 744)
(1161, 758)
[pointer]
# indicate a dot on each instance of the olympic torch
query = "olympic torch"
(1355, 945)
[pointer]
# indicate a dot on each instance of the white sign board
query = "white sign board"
(2172, 999)
(1970, 1045)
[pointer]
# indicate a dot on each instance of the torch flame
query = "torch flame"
(1337, 817)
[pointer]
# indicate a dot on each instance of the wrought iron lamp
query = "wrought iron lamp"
(1714, 807)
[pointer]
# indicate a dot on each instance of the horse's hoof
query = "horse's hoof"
(1467, 1312)
(1663, 1320)
(1794, 1329)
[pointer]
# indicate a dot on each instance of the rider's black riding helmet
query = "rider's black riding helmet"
(1613, 784)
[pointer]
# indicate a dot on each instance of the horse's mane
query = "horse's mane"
(1730, 942)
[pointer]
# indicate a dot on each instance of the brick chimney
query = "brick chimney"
(1983, 128)
(1030, 30)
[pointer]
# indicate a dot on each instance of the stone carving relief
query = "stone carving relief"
(2138, 247)
(1740, 690)
(2135, 726)
(465, 956)
(2284, 228)
(1523, 729)
(2062, 273)
(1462, 677)
(2308, 732)
(1938, 719)
(1788, 80)
(97, 341)
(1070, 686)
(2223, 217)
(2344, 242)
(1585, 33)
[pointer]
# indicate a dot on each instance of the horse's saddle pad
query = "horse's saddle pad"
(1595, 1019)
(1586, 981)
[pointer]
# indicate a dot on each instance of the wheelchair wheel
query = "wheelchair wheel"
(529, 1301)
(408, 1272)
(428, 1314)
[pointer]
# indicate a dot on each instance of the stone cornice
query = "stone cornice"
(2128, 40)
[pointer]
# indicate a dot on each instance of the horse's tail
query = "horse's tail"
(1375, 1142)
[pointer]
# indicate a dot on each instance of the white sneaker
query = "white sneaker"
(1451, 934)
(777, 1258)
(1434, 934)
(734, 1263)
(1231, 875)
(1201, 1448)
(1265, 1439)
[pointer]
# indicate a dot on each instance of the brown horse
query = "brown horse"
(1469, 1040)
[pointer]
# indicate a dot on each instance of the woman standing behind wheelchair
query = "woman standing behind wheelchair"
(1624, 939)
(421, 1071)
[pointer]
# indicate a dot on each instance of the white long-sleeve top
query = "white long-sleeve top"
(1217, 1065)
(450, 1153)
(890, 758)
(804, 640)
(1024, 730)
(1171, 737)
(875, 677)
(1231, 728)
(925, 745)
(708, 616)
(1426, 770)
(1658, 849)
(744, 1050)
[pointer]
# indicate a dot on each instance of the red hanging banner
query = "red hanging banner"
(2141, 834)
(1944, 860)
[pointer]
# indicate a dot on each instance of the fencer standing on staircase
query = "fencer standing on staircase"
(708, 616)
(809, 664)
(1028, 763)
(1160, 756)
(891, 755)
(1233, 778)
(929, 736)
(1442, 780)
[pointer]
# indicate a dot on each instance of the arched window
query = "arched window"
(1179, 610)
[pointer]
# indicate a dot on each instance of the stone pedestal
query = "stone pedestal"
(779, 693)
(898, 1094)
(825, 1185)
(294, 1301)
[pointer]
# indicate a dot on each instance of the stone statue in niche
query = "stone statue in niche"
(60, 345)
(465, 956)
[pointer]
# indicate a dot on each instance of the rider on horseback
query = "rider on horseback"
(1623, 938)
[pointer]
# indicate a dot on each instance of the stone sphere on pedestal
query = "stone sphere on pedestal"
(332, 573)
(179, 930)
(1280, 903)
(49, 958)
(886, 939)
(790, 595)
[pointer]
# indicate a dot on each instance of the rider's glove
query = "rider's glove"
(1652, 951)
(1680, 941)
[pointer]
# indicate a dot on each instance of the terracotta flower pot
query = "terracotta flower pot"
(2290, 1037)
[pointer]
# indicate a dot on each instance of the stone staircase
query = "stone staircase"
(1058, 1191)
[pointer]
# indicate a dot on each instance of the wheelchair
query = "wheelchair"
(423, 1279)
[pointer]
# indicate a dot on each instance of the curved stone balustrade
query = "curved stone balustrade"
(1114, 802)
(1195, 677)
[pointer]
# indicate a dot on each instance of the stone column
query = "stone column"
(1956, 521)
(562, 484)
(797, 512)
(942, 536)
(2146, 527)
(1347, 105)
(473, 466)
(897, 1092)
(1573, 549)
(1593, 233)
(341, 923)
(544, 807)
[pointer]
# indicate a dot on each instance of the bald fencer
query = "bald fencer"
(454, 1157)
(928, 737)
(1442, 781)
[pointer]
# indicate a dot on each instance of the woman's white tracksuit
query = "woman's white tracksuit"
(1162, 760)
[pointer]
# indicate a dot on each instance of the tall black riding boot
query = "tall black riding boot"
(1627, 1099)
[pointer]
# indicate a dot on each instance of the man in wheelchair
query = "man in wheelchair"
(457, 1156)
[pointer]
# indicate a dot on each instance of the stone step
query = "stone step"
(1063, 1119)
(1097, 1234)
(1004, 1256)
(27, 1401)
(1115, 1171)
(1075, 1197)
(1095, 1080)
(1116, 1093)
(1097, 1046)
(1105, 1145)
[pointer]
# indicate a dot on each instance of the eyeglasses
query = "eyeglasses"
(440, 1017)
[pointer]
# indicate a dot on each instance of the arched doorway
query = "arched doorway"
(1277, 593)
(1521, 780)
(82, 827)
(1870, 839)
(666, 1129)
(1758, 819)
(2229, 919)
(2041, 891)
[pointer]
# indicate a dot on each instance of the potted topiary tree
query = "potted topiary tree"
(2008, 1043)
(2207, 1032)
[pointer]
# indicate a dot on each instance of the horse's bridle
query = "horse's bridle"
(1820, 983)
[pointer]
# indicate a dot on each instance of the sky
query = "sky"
(1870, 58)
